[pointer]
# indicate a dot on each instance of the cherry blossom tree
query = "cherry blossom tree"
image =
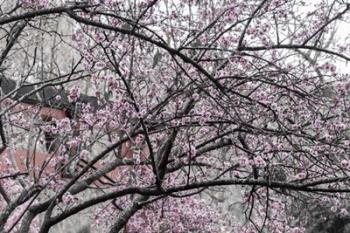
(142, 105)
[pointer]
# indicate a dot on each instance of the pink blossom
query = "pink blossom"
(243, 161)
(67, 198)
(259, 161)
(35, 3)
(64, 125)
(139, 139)
(334, 209)
(343, 212)
(74, 143)
(195, 96)
(300, 176)
(74, 94)
(344, 163)
(58, 98)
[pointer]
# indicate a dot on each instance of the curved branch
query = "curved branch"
(294, 47)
